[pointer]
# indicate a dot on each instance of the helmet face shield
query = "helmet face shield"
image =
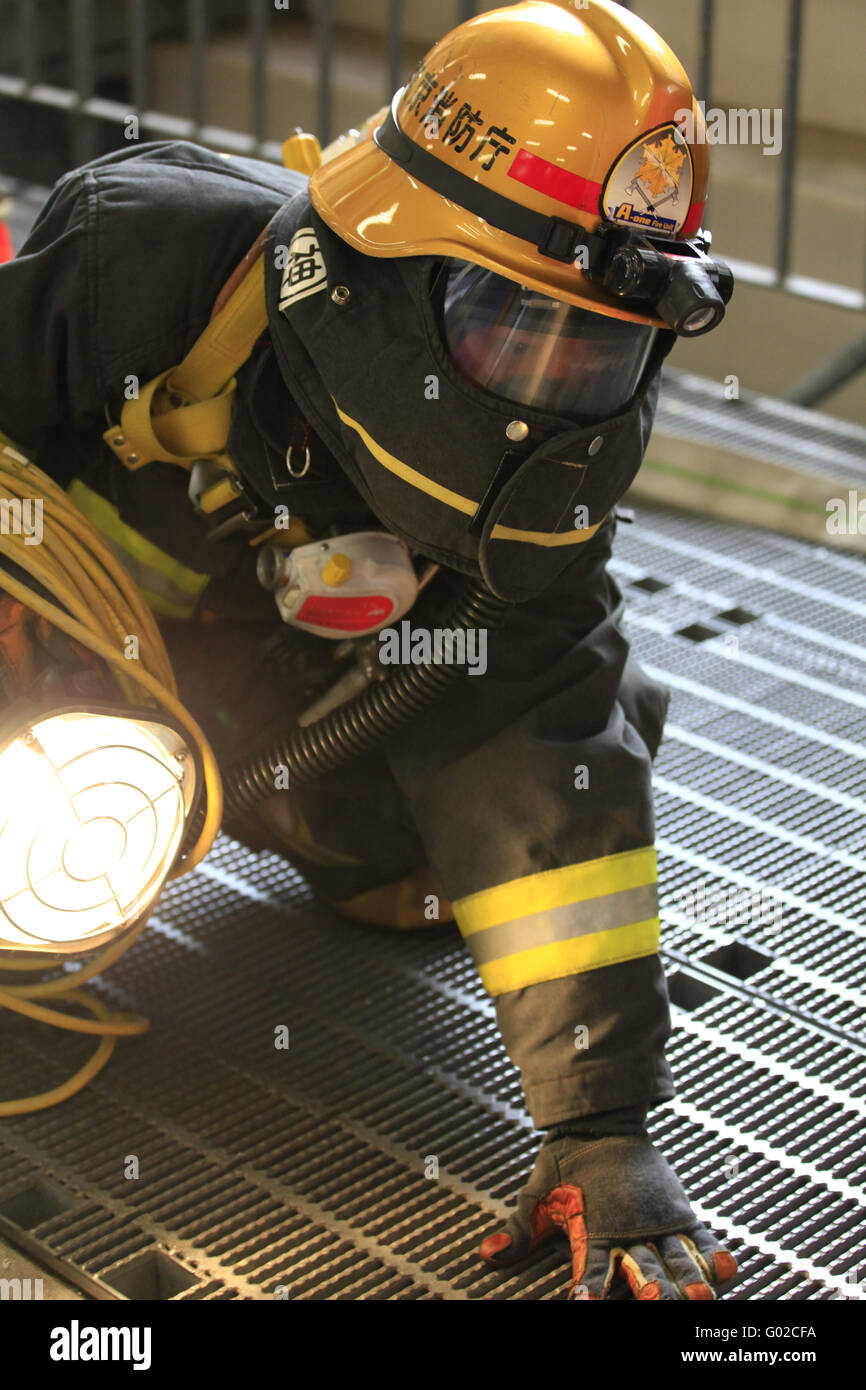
(541, 352)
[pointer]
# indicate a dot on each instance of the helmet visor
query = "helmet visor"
(537, 351)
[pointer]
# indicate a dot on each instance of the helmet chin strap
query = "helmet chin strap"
(552, 236)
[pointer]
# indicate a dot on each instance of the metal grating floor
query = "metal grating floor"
(303, 1171)
(695, 407)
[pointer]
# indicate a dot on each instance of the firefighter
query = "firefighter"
(466, 317)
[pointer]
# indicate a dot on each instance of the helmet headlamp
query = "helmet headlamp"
(684, 286)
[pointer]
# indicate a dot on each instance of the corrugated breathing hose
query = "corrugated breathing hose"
(362, 723)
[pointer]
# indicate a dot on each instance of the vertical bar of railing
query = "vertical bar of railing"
(789, 138)
(324, 41)
(197, 30)
(28, 42)
(395, 47)
(260, 13)
(83, 78)
(139, 24)
(466, 10)
(705, 50)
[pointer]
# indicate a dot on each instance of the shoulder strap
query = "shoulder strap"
(183, 414)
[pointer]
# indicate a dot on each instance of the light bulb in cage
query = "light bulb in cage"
(92, 812)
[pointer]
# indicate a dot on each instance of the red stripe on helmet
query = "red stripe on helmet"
(557, 183)
(693, 221)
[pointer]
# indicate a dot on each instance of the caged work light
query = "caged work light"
(92, 812)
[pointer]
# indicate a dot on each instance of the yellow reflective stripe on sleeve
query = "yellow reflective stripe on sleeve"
(170, 588)
(563, 921)
(456, 499)
(409, 475)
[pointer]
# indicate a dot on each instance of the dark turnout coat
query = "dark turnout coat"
(526, 789)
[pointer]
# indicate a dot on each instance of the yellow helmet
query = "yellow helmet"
(521, 136)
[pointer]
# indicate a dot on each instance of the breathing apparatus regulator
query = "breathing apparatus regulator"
(342, 588)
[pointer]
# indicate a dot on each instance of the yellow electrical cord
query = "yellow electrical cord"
(102, 607)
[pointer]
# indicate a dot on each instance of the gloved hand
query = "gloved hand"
(625, 1215)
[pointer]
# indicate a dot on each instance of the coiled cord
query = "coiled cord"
(101, 604)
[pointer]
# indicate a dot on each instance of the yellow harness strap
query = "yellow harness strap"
(183, 414)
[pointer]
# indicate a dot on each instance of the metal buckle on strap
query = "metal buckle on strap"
(245, 518)
(215, 489)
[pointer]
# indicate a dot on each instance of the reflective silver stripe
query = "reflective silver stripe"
(155, 585)
(564, 923)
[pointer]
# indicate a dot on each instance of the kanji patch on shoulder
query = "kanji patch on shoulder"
(304, 272)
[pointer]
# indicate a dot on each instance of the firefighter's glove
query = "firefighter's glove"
(625, 1215)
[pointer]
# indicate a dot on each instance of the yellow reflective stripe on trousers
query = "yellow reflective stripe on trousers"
(170, 588)
(564, 921)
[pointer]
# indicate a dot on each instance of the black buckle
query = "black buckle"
(561, 239)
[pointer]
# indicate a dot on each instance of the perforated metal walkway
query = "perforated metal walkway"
(311, 1170)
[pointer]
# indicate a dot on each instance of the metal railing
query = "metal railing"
(21, 60)
(135, 24)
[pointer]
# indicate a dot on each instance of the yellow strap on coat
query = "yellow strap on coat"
(153, 428)
(227, 341)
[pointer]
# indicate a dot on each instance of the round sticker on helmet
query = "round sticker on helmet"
(650, 185)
